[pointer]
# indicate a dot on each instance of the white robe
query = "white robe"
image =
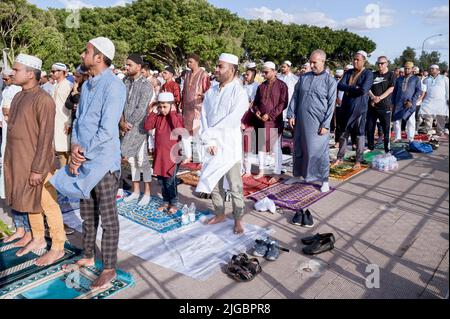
(63, 115)
(290, 80)
(221, 127)
(251, 90)
(435, 101)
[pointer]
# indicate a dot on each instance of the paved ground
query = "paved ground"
(398, 221)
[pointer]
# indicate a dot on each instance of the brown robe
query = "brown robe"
(31, 129)
(195, 86)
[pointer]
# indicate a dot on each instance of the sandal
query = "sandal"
(238, 273)
(251, 264)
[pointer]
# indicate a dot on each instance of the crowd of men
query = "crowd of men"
(101, 117)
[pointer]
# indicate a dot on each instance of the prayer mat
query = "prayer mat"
(293, 197)
(4, 230)
(252, 185)
(150, 217)
(344, 171)
(190, 166)
(189, 178)
(418, 137)
(13, 268)
(369, 156)
(68, 204)
(394, 146)
(54, 283)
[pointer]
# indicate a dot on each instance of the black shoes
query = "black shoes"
(318, 243)
(302, 218)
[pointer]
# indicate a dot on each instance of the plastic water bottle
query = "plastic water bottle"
(185, 215)
(192, 209)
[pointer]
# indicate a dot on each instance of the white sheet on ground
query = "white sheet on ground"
(196, 250)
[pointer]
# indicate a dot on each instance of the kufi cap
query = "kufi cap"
(166, 97)
(306, 65)
(43, 73)
(269, 65)
(363, 53)
(416, 69)
(251, 65)
(229, 58)
(7, 72)
(408, 65)
(340, 72)
(289, 63)
(105, 46)
(112, 67)
(136, 58)
(59, 66)
(29, 60)
(348, 66)
(402, 69)
(434, 66)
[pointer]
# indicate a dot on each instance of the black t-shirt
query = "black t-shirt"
(382, 82)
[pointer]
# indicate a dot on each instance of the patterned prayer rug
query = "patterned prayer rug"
(189, 178)
(398, 145)
(13, 268)
(190, 167)
(54, 283)
(150, 217)
(344, 171)
(418, 137)
(369, 156)
(293, 197)
(252, 185)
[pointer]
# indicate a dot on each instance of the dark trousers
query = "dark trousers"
(384, 116)
(102, 203)
(169, 188)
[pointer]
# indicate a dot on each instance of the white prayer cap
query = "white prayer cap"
(416, 69)
(59, 66)
(251, 65)
(105, 46)
(306, 65)
(29, 60)
(339, 72)
(434, 66)
(363, 53)
(348, 67)
(166, 97)
(43, 73)
(112, 66)
(269, 65)
(402, 69)
(229, 58)
(289, 63)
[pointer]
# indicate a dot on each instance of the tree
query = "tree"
(408, 55)
(423, 62)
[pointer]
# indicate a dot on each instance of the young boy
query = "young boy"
(164, 119)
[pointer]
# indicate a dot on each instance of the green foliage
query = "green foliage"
(166, 31)
(423, 62)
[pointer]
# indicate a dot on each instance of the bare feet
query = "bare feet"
(238, 229)
(36, 243)
(163, 207)
(83, 262)
(20, 232)
(49, 258)
(273, 180)
(25, 240)
(336, 163)
(172, 210)
(357, 166)
(105, 278)
(216, 220)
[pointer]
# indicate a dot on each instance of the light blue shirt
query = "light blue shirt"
(96, 130)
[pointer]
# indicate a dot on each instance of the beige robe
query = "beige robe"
(63, 115)
(195, 86)
(31, 128)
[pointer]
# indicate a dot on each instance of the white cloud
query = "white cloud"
(435, 15)
(75, 4)
(375, 18)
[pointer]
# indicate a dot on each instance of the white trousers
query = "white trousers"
(141, 165)
(278, 154)
(410, 128)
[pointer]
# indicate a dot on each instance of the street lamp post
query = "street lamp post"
(431, 36)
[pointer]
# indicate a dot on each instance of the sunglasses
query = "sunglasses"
(54, 71)
(379, 63)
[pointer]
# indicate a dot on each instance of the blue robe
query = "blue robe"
(412, 93)
(312, 106)
(355, 101)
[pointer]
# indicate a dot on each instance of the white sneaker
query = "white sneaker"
(325, 187)
(133, 196)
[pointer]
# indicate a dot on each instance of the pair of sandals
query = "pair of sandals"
(242, 268)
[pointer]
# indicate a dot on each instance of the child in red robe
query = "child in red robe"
(166, 157)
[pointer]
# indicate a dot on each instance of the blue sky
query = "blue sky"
(392, 25)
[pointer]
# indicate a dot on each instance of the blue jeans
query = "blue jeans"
(169, 188)
(21, 220)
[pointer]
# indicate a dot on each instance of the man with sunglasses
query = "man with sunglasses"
(380, 103)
